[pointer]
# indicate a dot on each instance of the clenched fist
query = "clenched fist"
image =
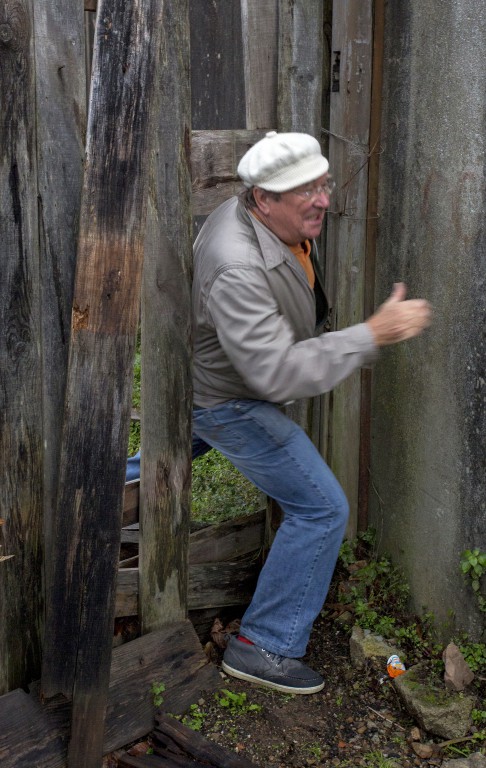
(399, 319)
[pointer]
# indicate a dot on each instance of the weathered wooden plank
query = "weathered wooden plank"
(227, 541)
(214, 158)
(221, 584)
(97, 412)
(214, 543)
(151, 761)
(300, 54)
(126, 603)
(30, 735)
(20, 363)
(89, 35)
(370, 258)
(131, 501)
(217, 77)
(299, 108)
(172, 738)
(173, 656)
(166, 338)
(239, 540)
(216, 154)
(61, 133)
(205, 200)
(347, 224)
(259, 22)
(130, 534)
(210, 585)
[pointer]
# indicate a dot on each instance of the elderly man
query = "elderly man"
(259, 310)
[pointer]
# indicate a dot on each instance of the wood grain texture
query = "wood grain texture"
(299, 108)
(211, 585)
(173, 739)
(300, 66)
(97, 410)
(166, 338)
(347, 223)
(173, 655)
(217, 73)
(227, 541)
(20, 362)
(214, 159)
(259, 22)
(370, 258)
(61, 134)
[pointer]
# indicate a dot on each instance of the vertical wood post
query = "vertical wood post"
(300, 66)
(371, 237)
(166, 338)
(20, 363)
(61, 133)
(299, 108)
(79, 625)
(259, 26)
(346, 245)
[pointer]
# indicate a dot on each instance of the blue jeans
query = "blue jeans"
(278, 457)
(199, 448)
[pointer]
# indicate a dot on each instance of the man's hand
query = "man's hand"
(397, 319)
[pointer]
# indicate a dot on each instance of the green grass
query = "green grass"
(219, 491)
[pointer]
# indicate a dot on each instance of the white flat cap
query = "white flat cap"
(282, 161)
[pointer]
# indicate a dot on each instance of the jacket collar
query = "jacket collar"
(273, 250)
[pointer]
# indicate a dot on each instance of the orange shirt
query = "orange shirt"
(302, 252)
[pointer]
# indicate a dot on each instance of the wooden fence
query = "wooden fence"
(88, 193)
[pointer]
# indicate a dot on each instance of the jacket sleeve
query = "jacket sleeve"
(261, 346)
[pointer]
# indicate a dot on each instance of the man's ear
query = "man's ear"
(261, 199)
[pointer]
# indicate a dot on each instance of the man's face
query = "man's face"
(294, 218)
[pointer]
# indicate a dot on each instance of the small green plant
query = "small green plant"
(236, 703)
(474, 654)
(195, 718)
(314, 749)
(377, 759)
(157, 690)
(478, 716)
(467, 746)
(473, 567)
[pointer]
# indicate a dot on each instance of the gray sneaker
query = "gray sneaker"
(249, 662)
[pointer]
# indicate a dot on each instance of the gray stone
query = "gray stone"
(473, 761)
(364, 646)
(444, 713)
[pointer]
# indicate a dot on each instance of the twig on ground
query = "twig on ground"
(393, 722)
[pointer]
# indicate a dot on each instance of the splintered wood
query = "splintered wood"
(175, 745)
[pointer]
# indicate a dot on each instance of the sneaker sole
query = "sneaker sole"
(268, 683)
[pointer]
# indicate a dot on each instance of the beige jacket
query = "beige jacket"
(254, 317)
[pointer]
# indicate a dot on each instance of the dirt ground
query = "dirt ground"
(357, 720)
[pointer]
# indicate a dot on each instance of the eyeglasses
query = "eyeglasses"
(310, 194)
